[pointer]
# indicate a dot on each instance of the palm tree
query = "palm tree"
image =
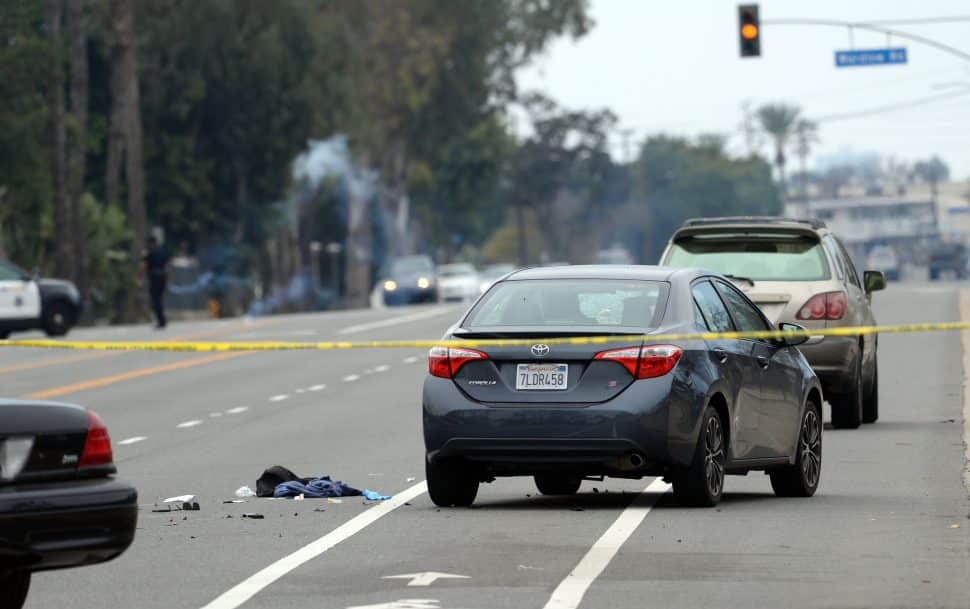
(778, 121)
(806, 135)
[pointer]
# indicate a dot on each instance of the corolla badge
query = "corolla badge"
(540, 350)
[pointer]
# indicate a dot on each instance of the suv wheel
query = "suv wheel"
(847, 407)
(557, 484)
(870, 405)
(450, 483)
(13, 589)
(701, 484)
(801, 479)
(58, 318)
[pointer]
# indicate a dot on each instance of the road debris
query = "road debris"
(245, 491)
(253, 515)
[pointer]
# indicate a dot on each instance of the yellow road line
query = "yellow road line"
(130, 375)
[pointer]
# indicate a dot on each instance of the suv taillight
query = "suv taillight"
(97, 445)
(647, 362)
(446, 361)
(828, 306)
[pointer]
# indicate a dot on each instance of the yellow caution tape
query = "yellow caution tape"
(410, 344)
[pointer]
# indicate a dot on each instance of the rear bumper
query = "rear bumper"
(514, 439)
(54, 525)
(833, 360)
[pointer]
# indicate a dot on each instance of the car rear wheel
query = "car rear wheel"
(847, 407)
(58, 318)
(13, 589)
(801, 479)
(557, 484)
(701, 484)
(870, 405)
(449, 483)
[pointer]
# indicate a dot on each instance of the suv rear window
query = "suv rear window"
(757, 256)
(558, 303)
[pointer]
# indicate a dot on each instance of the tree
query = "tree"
(58, 165)
(77, 33)
(778, 121)
(806, 136)
(932, 171)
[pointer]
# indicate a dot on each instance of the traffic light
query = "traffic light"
(749, 30)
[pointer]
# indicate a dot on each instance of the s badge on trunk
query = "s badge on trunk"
(540, 350)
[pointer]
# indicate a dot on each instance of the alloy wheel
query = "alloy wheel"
(810, 446)
(714, 455)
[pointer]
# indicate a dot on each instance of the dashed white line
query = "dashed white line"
(187, 424)
(242, 592)
(280, 397)
(299, 391)
(316, 388)
(237, 410)
(215, 414)
(382, 368)
(570, 591)
(132, 440)
(410, 360)
(350, 378)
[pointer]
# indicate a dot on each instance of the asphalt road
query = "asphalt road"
(888, 528)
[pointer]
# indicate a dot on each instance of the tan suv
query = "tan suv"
(797, 271)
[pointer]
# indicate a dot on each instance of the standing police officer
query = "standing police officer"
(154, 263)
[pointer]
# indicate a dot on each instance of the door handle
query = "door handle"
(763, 361)
(720, 354)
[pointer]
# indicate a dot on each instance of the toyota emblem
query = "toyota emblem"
(540, 350)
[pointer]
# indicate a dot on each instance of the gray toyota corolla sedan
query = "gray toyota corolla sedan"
(689, 410)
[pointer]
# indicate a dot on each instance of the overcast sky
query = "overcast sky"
(674, 67)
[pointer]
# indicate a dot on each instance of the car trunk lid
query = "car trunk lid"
(540, 373)
(41, 441)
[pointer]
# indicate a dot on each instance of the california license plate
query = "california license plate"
(542, 376)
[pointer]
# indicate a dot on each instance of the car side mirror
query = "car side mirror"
(874, 281)
(792, 341)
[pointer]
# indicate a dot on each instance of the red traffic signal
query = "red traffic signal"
(749, 30)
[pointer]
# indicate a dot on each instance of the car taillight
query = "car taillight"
(645, 362)
(97, 446)
(446, 361)
(829, 306)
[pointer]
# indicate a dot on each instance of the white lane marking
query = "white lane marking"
(570, 591)
(299, 391)
(215, 414)
(187, 424)
(410, 360)
(404, 603)
(132, 440)
(426, 578)
(397, 320)
(382, 368)
(316, 388)
(242, 592)
(350, 378)
(280, 397)
(237, 410)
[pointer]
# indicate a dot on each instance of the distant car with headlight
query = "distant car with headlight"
(408, 280)
(458, 282)
(29, 302)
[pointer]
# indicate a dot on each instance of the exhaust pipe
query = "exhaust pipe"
(631, 462)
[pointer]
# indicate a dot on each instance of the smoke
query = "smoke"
(331, 159)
